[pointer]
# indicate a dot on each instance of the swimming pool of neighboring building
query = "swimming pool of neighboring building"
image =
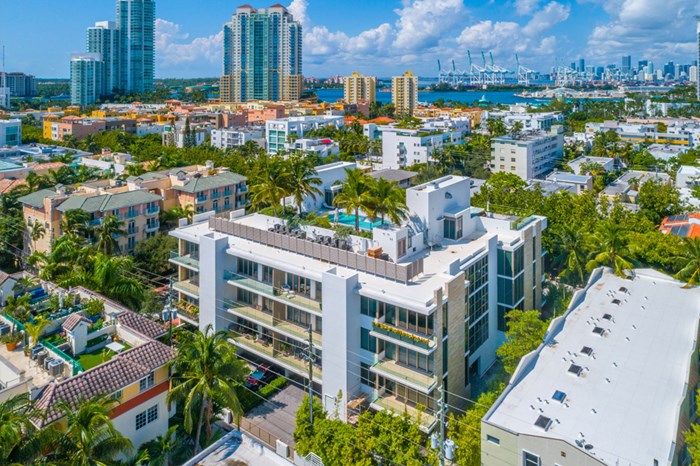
(349, 220)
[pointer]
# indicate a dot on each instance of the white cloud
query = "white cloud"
(422, 23)
(298, 9)
(175, 48)
(544, 19)
(526, 7)
(652, 29)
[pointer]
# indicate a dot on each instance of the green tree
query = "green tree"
(495, 127)
(689, 262)
(304, 432)
(465, 430)
(153, 254)
(18, 308)
(36, 232)
(111, 275)
(75, 221)
(89, 438)
(356, 194)
(162, 450)
(109, 231)
(303, 179)
(388, 199)
(569, 252)
(525, 331)
(657, 200)
(35, 329)
(16, 428)
(269, 181)
(609, 246)
(206, 373)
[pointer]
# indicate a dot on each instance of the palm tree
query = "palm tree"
(15, 426)
(569, 247)
(34, 329)
(303, 179)
(609, 247)
(89, 438)
(75, 221)
(206, 373)
(689, 261)
(268, 183)
(18, 307)
(356, 194)
(106, 238)
(186, 211)
(111, 276)
(387, 199)
(161, 450)
(36, 232)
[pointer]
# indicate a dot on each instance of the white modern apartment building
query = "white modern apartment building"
(236, 137)
(332, 176)
(403, 147)
(608, 163)
(176, 136)
(613, 383)
(530, 121)
(281, 131)
(419, 306)
(10, 132)
(322, 147)
(687, 176)
(529, 155)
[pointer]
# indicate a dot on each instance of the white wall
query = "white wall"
(126, 423)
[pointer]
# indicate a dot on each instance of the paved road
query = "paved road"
(277, 415)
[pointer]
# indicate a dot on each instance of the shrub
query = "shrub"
(250, 399)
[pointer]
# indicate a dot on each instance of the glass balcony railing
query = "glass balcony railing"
(200, 199)
(405, 336)
(390, 402)
(132, 214)
(409, 376)
(188, 260)
(286, 296)
(189, 287)
(215, 195)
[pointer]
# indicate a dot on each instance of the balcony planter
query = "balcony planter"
(402, 335)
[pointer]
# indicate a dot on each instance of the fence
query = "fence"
(386, 269)
(77, 368)
(262, 435)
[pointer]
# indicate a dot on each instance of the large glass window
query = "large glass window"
(367, 341)
(298, 316)
(453, 228)
(478, 274)
(247, 267)
(510, 263)
(301, 285)
(247, 297)
(478, 334)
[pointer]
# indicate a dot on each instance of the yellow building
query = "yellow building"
(359, 87)
(404, 93)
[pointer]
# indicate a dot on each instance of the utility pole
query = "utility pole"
(439, 442)
(310, 358)
(169, 311)
(441, 407)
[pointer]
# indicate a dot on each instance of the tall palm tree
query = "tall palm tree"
(689, 262)
(75, 221)
(388, 199)
(36, 232)
(303, 179)
(15, 427)
(609, 246)
(106, 238)
(110, 275)
(161, 450)
(569, 249)
(18, 307)
(356, 194)
(268, 183)
(89, 438)
(206, 373)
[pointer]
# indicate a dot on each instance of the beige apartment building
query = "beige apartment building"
(404, 93)
(359, 88)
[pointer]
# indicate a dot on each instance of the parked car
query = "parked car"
(260, 376)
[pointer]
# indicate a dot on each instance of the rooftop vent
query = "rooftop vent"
(543, 422)
(598, 330)
(575, 369)
(559, 396)
(587, 350)
(607, 317)
(616, 301)
(623, 289)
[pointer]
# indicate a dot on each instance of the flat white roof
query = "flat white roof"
(625, 403)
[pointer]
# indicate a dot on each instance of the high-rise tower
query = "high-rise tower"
(358, 87)
(104, 38)
(697, 84)
(404, 93)
(262, 56)
(136, 23)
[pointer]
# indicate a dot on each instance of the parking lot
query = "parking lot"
(277, 415)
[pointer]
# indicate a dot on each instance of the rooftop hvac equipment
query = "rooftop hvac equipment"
(56, 367)
(35, 351)
(41, 357)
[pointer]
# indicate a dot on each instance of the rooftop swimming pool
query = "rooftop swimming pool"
(349, 220)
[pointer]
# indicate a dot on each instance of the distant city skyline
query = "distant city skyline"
(378, 38)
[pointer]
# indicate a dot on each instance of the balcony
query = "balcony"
(403, 337)
(265, 350)
(132, 214)
(153, 226)
(405, 375)
(189, 261)
(243, 189)
(200, 199)
(95, 222)
(215, 195)
(286, 328)
(189, 287)
(153, 210)
(132, 230)
(391, 403)
(284, 296)
(227, 192)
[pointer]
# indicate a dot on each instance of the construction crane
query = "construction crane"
(476, 74)
(523, 73)
(499, 76)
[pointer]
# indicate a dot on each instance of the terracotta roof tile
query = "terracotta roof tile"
(141, 324)
(73, 320)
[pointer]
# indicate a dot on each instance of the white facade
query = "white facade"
(612, 383)
(666, 152)
(529, 156)
(10, 132)
(374, 335)
(687, 176)
(320, 147)
(607, 163)
(402, 148)
(530, 121)
(332, 176)
(176, 136)
(126, 422)
(150, 128)
(284, 130)
(230, 138)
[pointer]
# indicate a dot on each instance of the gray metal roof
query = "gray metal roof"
(36, 199)
(107, 202)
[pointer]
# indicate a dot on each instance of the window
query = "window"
(247, 267)
(117, 395)
(492, 439)
(147, 382)
(559, 396)
(530, 460)
(453, 228)
(365, 376)
(367, 341)
(146, 417)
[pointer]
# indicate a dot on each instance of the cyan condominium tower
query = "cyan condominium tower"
(136, 22)
(104, 39)
(262, 56)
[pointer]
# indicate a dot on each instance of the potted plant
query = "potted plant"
(11, 340)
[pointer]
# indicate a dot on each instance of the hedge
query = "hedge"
(250, 400)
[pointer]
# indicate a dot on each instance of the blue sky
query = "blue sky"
(381, 37)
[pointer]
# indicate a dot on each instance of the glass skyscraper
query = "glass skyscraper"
(86, 73)
(104, 39)
(136, 23)
(262, 56)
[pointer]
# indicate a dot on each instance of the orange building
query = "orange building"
(685, 225)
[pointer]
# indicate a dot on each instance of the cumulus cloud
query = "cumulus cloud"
(525, 7)
(298, 9)
(653, 29)
(422, 23)
(176, 48)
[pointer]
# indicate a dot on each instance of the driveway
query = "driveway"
(278, 414)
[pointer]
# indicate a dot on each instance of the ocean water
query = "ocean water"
(497, 97)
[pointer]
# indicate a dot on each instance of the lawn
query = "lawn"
(95, 358)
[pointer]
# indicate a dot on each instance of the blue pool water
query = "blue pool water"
(349, 220)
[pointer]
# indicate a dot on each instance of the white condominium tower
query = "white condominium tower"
(419, 306)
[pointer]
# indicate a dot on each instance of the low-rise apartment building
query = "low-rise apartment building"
(322, 148)
(285, 130)
(390, 316)
(236, 137)
(626, 187)
(79, 128)
(614, 381)
(540, 121)
(529, 155)
(10, 132)
(608, 164)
